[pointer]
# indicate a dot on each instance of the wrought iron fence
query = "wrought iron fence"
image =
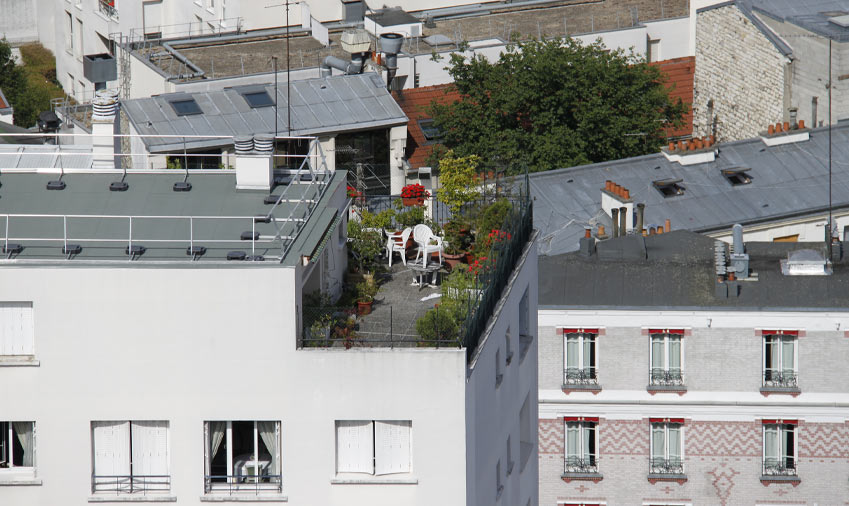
(779, 467)
(780, 379)
(575, 464)
(130, 484)
(673, 465)
(664, 377)
(576, 376)
(243, 484)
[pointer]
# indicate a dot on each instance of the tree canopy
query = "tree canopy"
(556, 103)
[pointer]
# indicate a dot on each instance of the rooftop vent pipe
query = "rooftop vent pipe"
(390, 45)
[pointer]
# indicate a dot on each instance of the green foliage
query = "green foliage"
(555, 103)
(436, 325)
(457, 180)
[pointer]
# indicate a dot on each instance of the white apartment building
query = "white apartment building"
(152, 350)
(665, 380)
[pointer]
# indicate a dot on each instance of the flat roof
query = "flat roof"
(319, 106)
(677, 271)
(213, 214)
(495, 20)
(786, 180)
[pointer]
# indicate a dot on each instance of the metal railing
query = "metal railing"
(576, 376)
(575, 464)
(780, 379)
(779, 467)
(666, 378)
(107, 7)
(672, 465)
(243, 484)
(130, 483)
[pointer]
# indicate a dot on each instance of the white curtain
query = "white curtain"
(658, 450)
(24, 432)
(216, 435)
(268, 433)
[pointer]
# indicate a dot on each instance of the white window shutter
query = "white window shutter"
(392, 447)
(111, 451)
(16, 328)
(354, 446)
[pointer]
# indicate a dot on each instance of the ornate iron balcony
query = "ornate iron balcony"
(780, 467)
(576, 464)
(663, 377)
(781, 379)
(666, 466)
(575, 376)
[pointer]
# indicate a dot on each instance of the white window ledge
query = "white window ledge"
(133, 498)
(243, 498)
(18, 361)
(374, 481)
(6, 482)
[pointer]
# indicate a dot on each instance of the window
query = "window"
(580, 357)
(666, 367)
(17, 448)
(373, 447)
(186, 107)
(581, 445)
(779, 448)
(16, 329)
(258, 99)
(669, 187)
(737, 176)
(780, 359)
(242, 456)
(429, 130)
(666, 446)
(130, 457)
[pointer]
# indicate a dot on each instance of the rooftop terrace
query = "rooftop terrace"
(251, 54)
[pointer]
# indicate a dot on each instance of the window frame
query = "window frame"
(583, 378)
(374, 449)
(668, 378)
(587, 427)
(236, 484)
(164, 482)
(666, 424)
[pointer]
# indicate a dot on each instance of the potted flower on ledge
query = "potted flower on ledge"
(414, 195)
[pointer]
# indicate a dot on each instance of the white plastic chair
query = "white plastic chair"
(398, 243)
(428, 243)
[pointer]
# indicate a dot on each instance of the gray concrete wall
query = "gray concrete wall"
(741, 71)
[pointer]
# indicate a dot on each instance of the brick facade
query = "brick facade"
(741, 71)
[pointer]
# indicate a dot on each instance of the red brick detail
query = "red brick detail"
(415, 103)
(679, 74)
(724, 439)
(551, 436)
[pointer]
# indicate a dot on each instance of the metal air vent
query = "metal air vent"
(118, 186)
(56, 185)
(236, 255)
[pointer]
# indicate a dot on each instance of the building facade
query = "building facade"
(698, 393)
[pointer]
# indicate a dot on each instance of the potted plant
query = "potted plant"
(414, 195)
(365, 296)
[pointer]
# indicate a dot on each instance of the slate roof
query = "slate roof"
(416, 102)
(319, 106)
(787, 180)
(677, 272)
(97, 218)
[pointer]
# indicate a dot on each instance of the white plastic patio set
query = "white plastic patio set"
(427, 243)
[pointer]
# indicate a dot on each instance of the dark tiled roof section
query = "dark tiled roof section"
(679, 72)
(415, 103)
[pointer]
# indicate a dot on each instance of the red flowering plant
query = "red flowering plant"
(414, 191)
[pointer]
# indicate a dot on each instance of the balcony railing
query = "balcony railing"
(243, 484)
(780, 379)
(576, 464)
(780, 467)
(666, 378)
(666, 466)
(575, 376)
(130, 484)
(107, 7)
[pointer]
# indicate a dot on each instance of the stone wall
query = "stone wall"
(741, 71)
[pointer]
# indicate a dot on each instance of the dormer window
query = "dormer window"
(669, 187)
(737, 176)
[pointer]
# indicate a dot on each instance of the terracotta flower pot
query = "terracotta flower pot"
(364, 308)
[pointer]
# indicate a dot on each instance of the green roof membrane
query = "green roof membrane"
(214, 215)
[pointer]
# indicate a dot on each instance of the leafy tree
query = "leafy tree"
(555, 103)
